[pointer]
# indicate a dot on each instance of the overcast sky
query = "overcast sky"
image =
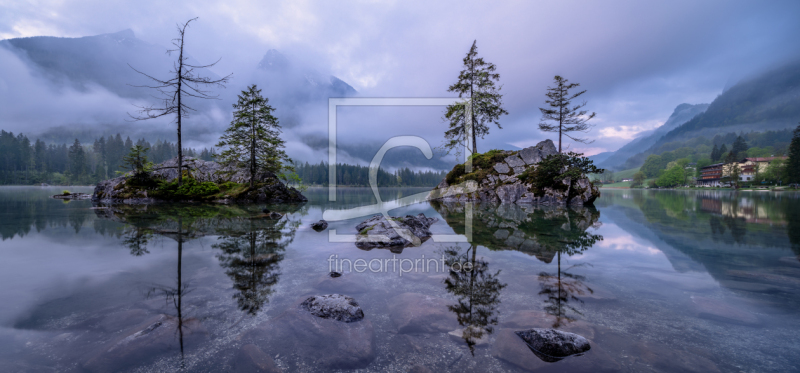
(637, 59)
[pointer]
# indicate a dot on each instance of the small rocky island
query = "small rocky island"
(203, 181)
(529, 176)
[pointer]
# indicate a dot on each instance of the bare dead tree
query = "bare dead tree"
(184, 81)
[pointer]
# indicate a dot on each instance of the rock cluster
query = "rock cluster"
(377, 231)
(501, 183)
(552, 345)
(271, 190)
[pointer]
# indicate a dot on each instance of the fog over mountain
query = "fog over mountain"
(64, 72)
(682, 114)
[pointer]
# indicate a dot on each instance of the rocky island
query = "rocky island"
(203, 181)
(534, 175)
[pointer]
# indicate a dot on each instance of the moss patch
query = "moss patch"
(482, 167)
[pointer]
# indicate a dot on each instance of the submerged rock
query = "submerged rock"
(328, 343)
(377, 231)
(319, 226)
(155, 337)
(493, 183)
(552, 345)
(333, 306)
(714, 309)
(419, 313)
(253, 359)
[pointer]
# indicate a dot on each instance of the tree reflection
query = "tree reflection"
(251, 248)
(175, 294)
(567, 235)
(136, 240)
(251, 258)
(477, 290)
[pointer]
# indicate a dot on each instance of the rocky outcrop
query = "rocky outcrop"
(71, 196)
(552, 345)
(333, 306)
(501, 182)
(394, 233)
(269, 189)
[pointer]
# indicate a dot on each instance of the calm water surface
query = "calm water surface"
(664, 281)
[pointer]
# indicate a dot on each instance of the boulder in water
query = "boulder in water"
(552, 345)
(333, 306)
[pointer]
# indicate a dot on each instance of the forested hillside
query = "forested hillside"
(26, 162)
(762, 109)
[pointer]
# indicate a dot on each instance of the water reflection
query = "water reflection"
(540, 231)
(546, 232)
(174, 294)
(477, 290)
(251, 254)
(251, 245)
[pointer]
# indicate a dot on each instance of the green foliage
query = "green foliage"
(65, 192)
(137, 162)
(638, 179)
(487, 160)
(551, 171)
(672, 177)
(652, 165)
(793, 163)
(739, 147)
(190, 188)
(253, 138)
(291, 177)
(454, 174)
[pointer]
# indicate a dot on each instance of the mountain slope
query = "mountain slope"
(681, 114)
(769, 101)
(95, 60)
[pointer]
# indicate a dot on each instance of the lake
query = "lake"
(662, 281)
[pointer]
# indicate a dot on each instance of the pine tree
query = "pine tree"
(722, 150)
(137, 162)
(739, 147)
(477, 83)
(566, 117)
(77, 160)
(793, 163)
(715, 153)
(253, 138)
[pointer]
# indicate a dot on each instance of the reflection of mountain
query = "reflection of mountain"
(540, 231)
(477, 290)
(693, 232)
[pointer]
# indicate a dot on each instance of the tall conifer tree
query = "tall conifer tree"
(253, 138)
(476, 83)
